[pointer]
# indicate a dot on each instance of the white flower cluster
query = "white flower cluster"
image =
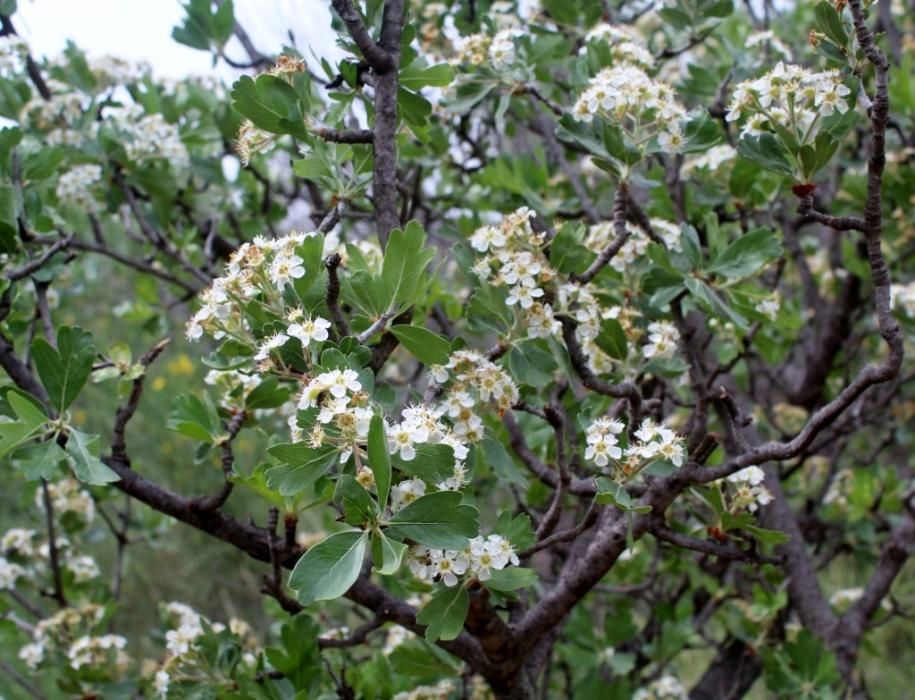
(9, 574)
(17, 542)
(749, 491)
(479, 558)
(111, 70)
(258, 272)
(183, 638)
(903, 296)
(74, 187)
(473, 49)
(588, 312)
(473, 380)
(657, 442)
(603, 444)
(502, 49)
(653, 442)
(68, 137)
(844, 598)
(73, 623)
(343, 420)
(665, 688)
(20, 557)
(625, 45)
(233, 386)
(12, 54)
(68, 496)
(83, 567)
(341, 403)
(601, 235)
(662, 340)
(97, 651)
(769, 307)
(839, 488)
(148, 136)
(789, 97)
(643, 107)
(711, 160)
(422, 424)
(64, 108)
(512, 257)
(442, 690)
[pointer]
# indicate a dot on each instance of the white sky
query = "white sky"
(141, 30)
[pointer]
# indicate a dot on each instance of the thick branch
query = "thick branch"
(376, 54)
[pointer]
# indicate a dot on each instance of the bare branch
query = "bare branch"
(332, 296)
(620, 203)
(39, 262)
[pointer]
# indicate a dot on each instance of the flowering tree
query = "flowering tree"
(568, 346)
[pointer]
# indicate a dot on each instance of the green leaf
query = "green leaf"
(10, 137)
(404, 267)
(612, 339)
(28, 422)
(387, 554)
(358, 506)
(530, 364)
(40, 461)
(747, 254)
(40, 165)
(830, 23)
(414, 77)
(422, 662)
(583, 133)
(518, 530)
(444, 615)
(379, 460)
(204, 24)
(299, 660)
(773, 537)
(436, 520)
(826, 148)
(567, 251)
(767, 152)
(712, 302)
(271, 104)
(195, 418)
(701, 133)
(256, 481)
(85, 450)
(268, 394)
(9, 209)
(414, 108)
(487, 311)
(65, 370)
(328, 570)
(511, 579)
(426, 346)
(692, 247)
(501, 462)
(300, 466)
(719, 9)
(675, 18)
(469, 94)
(432, 462)
(609, 491)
